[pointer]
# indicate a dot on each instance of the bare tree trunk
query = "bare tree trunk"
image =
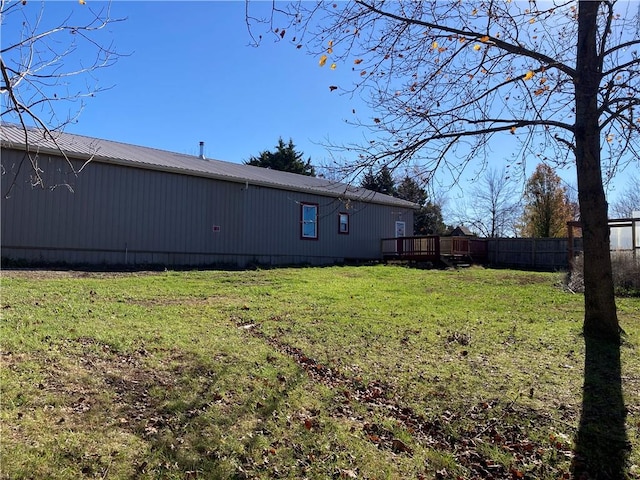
(600, 319)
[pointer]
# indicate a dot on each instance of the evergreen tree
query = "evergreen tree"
(369, 180)
(410, 190)
(428, 219)
(381, 182)
(285, 159)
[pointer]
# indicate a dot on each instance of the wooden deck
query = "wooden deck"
(435, 249)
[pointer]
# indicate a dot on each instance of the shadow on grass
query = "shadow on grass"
(601, 445)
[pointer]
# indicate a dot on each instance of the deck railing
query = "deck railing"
(408, 247)
(433, 247)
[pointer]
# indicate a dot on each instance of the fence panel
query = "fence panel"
(536, 253)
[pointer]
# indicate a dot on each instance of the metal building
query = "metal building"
(132, 205)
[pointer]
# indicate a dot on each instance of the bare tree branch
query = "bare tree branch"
(40, 64)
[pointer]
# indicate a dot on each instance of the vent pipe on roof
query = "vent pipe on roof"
(202, 151)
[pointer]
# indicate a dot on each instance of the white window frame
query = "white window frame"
(309, 219)
(343, 221)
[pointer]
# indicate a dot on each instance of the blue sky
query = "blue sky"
(190, 75)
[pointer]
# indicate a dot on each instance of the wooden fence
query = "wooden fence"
(524, 253)
(534, 253)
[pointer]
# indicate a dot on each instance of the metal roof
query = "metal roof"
(98, 150)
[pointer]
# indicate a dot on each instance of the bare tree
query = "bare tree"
(495, 206)
(47, 67)
(561, 78)
(628, 200)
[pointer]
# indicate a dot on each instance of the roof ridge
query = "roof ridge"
(116, 152)
(35, 129)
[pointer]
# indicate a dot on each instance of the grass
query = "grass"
(341, 372)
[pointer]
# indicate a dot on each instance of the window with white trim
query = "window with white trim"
(343, 223)
(309, 221)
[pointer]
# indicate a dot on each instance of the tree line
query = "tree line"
(497, 208)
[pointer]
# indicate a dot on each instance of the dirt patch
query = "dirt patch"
(48, 274)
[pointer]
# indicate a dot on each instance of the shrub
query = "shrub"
(626, 274)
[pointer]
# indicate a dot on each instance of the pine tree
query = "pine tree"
(381, 182)
(428, 219)
(285, 159)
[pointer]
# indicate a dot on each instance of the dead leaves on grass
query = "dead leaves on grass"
(448, 432)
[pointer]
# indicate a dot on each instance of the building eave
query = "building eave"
(254, 175)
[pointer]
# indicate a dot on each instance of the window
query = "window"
(343, 223)
(309, 224)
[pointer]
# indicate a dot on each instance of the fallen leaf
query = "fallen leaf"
(398, 445)
(348, 474)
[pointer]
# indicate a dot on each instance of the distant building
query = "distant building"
(133, 205)
(461, 231)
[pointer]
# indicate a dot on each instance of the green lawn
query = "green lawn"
(342, 372)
